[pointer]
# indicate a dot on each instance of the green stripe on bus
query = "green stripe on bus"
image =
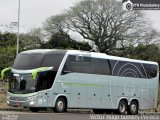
(80, 84)
(4, 71)
(35, 72)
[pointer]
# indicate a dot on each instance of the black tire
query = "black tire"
(133, 108)
(122, 107)
(34, 109)
(98, 111)
(60, 105)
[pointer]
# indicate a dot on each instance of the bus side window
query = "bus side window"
(89, 65)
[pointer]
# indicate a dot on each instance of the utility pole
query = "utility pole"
(18, 27)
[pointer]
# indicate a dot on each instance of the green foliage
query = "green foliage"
(63, 41)
(28, 42)
(144, 52)
(7, 49)
(7, 56)
(7, 39)
(8, 46)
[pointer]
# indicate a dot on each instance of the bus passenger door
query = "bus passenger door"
(45, 98)
(44, 83)
(42, 98)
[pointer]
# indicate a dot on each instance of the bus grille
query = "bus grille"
(18, 98)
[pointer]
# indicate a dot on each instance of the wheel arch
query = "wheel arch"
(62, 96)
(125, 99)
(136, 100)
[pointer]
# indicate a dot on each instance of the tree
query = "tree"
(7, 56)
(7, 49)
(105, 23)
(38, 33)
(56, 23)
(63, 41)
(29, 41)
(144, 52)
(7, 39)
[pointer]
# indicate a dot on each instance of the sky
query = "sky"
(34, 12)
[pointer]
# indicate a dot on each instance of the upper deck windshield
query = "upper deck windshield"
(28, 61)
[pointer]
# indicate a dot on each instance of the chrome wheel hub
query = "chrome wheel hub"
(122, 108)
(60, 105)
(133, 108)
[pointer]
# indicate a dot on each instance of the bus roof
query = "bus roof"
(43, 51)
(91, 54)
(105, 56)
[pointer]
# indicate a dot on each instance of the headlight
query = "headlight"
(32, 103)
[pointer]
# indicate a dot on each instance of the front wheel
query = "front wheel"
(133, 108)
(60, 105)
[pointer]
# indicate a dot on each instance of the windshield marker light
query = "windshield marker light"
(41, 69)
(4, 71)
(16, 75)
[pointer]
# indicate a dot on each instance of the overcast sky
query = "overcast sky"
(34, 12)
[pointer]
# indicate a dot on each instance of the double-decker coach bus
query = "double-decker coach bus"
(64, 79)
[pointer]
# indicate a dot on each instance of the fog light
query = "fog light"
(7, 101)
(32, 103)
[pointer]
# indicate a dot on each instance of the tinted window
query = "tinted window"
(109, 67)
(28, 61)
(151, 70)
(83, 64)
(45, 80)
(129, 69)
(52, 60)
(132, 69)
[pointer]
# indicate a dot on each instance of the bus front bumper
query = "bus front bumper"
(21, 103)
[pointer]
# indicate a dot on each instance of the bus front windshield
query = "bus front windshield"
(21, 84)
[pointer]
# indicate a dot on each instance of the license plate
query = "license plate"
(18, 104)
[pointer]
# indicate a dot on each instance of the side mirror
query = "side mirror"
(5, 71)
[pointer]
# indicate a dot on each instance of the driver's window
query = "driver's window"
(45, 80)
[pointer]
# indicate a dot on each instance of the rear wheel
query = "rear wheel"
(133, 108)
(34, 109)
(122, 107)
(60, 105)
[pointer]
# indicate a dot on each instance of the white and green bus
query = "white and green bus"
(69, 79)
